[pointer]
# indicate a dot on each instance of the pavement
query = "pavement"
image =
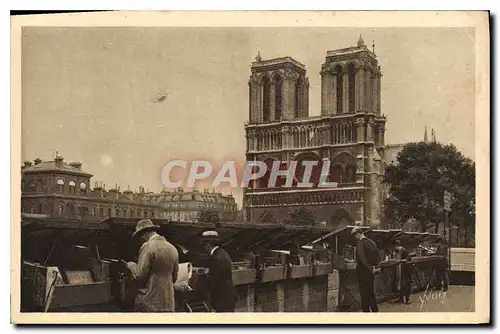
(457, 299)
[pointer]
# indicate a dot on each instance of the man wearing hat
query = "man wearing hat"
(367, 260)
(404, 272)
(441, 269)
(156, 270)
(221, 289)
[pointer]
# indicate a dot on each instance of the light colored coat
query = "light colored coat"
(155, 272)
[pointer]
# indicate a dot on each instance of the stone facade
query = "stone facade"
(60, 189)
(350, 133)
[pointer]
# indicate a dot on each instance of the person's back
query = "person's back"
(222, 291)
(160, 269)
(367, 248)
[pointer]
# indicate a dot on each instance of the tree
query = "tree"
(302, 216)
(208, 217)
(417, 182)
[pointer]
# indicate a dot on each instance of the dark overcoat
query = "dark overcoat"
(221, 288)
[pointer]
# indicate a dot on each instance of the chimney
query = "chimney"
(59, 160)
(77, 165)
(38, 161)
(27, 164)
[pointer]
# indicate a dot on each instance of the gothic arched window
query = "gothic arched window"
(337, 173)
(298, 83)
(278, 94)
(350, 174)
(266, 106)
(340, 89)
(351, 75)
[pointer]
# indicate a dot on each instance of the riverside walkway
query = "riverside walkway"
(457, 299)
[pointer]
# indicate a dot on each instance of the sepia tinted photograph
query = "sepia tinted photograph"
(174, 164)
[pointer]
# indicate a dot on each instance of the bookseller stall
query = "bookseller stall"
(343, 246)
(75, 266)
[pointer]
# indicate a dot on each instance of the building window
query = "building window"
(266, 110)
(40, 208)
(70, 209)
(278, 94)
(340, 89)
(92, 212)
(350, 174)
(60, 184)
(72, 186)
(298, 83)
(39, 186)
(101, 212)
(351, 74)
(83, 188)
(83, 211)
(109, 212)
(60, 210)
(337, 173)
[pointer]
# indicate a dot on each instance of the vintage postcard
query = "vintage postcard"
(257, 167)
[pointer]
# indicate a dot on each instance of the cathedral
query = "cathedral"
(349, 133)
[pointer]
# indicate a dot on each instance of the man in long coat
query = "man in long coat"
(441, 269)
(367, 260)
(404, 269)
(156, 270)
(221, 289)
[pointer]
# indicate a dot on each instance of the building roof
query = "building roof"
(194, 195)
(57, 165)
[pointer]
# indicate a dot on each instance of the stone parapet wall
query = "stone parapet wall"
(305, 294)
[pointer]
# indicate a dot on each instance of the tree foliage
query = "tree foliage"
(208, 217)
(302, 216)
(417, 182)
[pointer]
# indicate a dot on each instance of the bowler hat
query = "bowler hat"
(144, 225)
(210, 236)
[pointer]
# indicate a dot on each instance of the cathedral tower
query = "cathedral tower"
(279, 90)
(350, 81)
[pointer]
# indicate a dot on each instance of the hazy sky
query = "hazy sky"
(90, 92)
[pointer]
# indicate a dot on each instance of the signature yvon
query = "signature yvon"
(430, 295)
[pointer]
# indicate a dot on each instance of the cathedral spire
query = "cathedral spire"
(426, 139)
(361, 42)
(433, 136)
